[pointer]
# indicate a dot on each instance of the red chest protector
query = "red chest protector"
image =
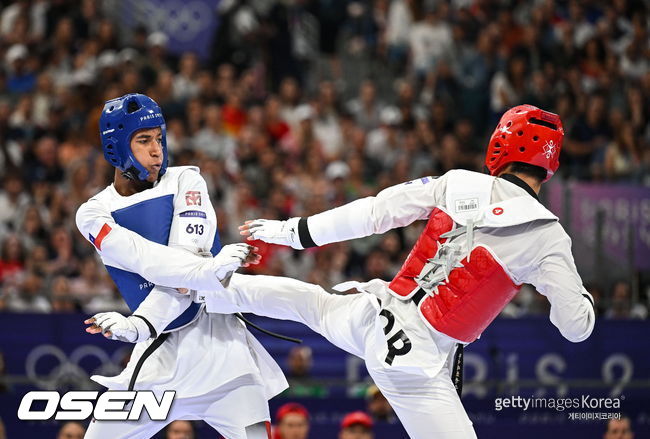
(465, 303)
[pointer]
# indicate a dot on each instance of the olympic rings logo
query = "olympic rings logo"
(68, 372)
(182, 20)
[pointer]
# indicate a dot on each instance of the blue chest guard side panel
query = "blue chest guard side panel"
(151, 219)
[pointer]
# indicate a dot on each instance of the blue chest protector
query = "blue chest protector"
(151, 219)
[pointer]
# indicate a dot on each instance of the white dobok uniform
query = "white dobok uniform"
(485, 236)
(149, 243)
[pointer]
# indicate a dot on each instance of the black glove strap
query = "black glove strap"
(303, 234)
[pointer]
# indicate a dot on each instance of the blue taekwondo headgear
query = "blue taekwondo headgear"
(120, 119)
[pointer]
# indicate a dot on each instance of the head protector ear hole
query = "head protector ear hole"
(535, 138)
(543, 123)
(111, 108)
(522, 149)
(120, 126)
(132, 106)
(108, 125)
(520, 133)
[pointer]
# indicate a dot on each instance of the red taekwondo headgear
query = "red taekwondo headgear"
(526, 134)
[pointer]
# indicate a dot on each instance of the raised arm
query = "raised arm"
(396, 206)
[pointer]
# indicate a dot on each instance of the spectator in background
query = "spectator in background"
(3, 432)
(299, 365)
(508, 87)
(430, 39)
(4, 385)
(356, 425)
(619, 429)
(623, 159)
(12, 259)
(398, 27)
(291, 422)
(22, 78)
(180, 430)
(621, 305)
(299, 362)
(29, 296)
(60, 297)
(13, 201)
(586, 139)
(71, 430)
(365, 108)
(378, 406)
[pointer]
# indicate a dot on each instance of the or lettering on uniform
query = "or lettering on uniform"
(395, 339)
(97, 241)
(390, 320)
(193, 214)
(193, 198)
(393, 350)
(497, 210)
(466, 204)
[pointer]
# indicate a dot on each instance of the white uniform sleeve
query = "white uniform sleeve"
(157, 263)
(396, 206)
(193, 228)
(557, 278)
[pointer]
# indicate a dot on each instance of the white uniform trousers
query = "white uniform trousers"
(417, 385)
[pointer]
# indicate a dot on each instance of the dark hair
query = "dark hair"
(531, 170)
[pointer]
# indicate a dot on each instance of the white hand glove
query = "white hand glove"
(230, 258)
(128, 329)
(276, 232)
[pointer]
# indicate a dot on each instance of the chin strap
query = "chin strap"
(131, 174)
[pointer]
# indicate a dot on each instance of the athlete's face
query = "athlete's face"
(146, 145)
(293, 426)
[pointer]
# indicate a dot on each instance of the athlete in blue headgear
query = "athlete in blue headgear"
(220, 373)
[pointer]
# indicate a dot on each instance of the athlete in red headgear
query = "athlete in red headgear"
(485, 236)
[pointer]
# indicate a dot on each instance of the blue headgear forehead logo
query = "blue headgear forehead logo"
(120, 119)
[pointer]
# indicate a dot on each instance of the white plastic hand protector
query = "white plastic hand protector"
(127, 329)
(230, 258)
(277, 232)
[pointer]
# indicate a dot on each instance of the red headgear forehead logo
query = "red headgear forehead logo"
(497, 210)
(549, 149)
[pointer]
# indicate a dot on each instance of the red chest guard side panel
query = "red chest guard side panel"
(473, 297)
(404, 284)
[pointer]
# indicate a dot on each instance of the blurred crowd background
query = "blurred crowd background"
(301, 106)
